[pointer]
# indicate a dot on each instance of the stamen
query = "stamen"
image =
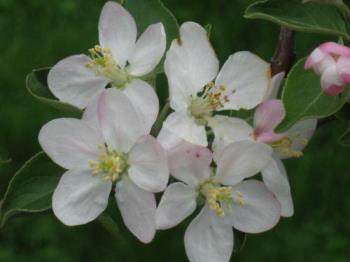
(212, 98)
(111, 164)
(217, 197)
(284, 146)
(103, 64)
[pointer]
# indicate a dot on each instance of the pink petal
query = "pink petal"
(267, 116)
(334, 48)
(343, 68)
(314, 58)
(331, 81)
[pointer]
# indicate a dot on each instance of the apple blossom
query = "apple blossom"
(287, 144)
(191, 66)
(119, 60)
(227, 199)
(114, 151)
(332, 62)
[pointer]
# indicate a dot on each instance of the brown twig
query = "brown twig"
(284, 56)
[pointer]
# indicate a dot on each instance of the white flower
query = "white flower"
(115, 151)
(288, 144)
(191, 66)
(119, 60)
(228, 200)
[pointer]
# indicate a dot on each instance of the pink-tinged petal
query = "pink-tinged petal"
(259, 211)
(267, 116)
(343, 68)
(148, 51)
(70, 142)
(276, 180)
(138, 209)
(145, 101)
(72, 82)
(168, 139)
(228, 130)
(148, 165)
(80, 197)
(190, 163)
(190, 63)
(300, 135)
(177, 203)
(117, 31)
(275, 85)
(120, 123)
(241, 160)
(335, 49)
(246, 79)
(314, 58)
(207, 240)
(331, 82)
(185, 128)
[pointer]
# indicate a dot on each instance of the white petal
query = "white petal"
(331, 81)
(148, 165)
(168, 139)
(117, 31)
(145, 101)
(275, 85)
(190, 163)
(90, 114)
(148, 51)
(138, 208)
(300, 134)
(268, 115)
(208, 241)
(177, 203)
(185, 128)
(276, 180)
(72, 82)
(70, 142)
(261, 210)
(241, 160)
(228, 130)
(246, 78)
(191, 62)
(121, 125)
(80, 197)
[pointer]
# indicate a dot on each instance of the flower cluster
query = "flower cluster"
(332, 62)
(211, 156)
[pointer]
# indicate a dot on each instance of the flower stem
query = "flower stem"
(159, 123)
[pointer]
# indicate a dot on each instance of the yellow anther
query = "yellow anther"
(284, 146)
(217, 197)
(111, 164)
(103, 64)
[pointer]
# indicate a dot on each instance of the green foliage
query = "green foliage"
(37, 86)
(309, 17)
(303, 97)
(30, 190)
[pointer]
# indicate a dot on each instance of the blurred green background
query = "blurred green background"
(38, 33)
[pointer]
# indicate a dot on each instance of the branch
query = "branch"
(284, 56)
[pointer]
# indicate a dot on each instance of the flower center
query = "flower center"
(284, 146)
(211, 99)
(111, 164)
(220, 199)
(103, 64)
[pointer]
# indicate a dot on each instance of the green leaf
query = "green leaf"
(36, 83)
(30, 190)
(4, 156)
(240, 241)
(303, 97)
(345, 138)
(147, 12)
(308, 17)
